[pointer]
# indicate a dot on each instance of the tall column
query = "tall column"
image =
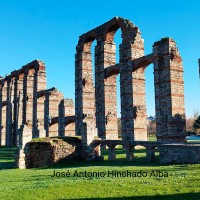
(41, 116)
(9, 121)
(35, 123)
(29, 99)
(126, 94)
(84, 97)
(132, 89)
(169, 91)
(61, 118)
(1, 109)
(3, 118)
(105, 92)
(13, 106)
(41, 76)
(19, 105)
(46, 113)
(24, 100)
(40, 85)
(139, 103)
(15, 125)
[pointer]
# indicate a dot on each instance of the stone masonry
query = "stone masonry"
(103, 94)
(44, 152)
(179, 153)
(25, 102)
(95, 100)
(169, 91)
(29, 110)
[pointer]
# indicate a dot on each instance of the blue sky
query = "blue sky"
(49, 30)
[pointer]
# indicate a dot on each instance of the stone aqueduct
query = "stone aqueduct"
(26, 103)
(96, 113)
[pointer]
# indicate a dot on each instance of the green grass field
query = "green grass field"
(183, 181)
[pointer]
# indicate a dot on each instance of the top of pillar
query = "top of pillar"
(164, 41)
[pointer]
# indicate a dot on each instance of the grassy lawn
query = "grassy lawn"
(152, 138)
(183, 181)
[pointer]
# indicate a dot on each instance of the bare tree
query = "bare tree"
(196, 113)
(190, 122)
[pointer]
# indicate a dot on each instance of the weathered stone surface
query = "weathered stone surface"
(101, 97)
(99, 101)
(29, 110)
(25, 101)
(179, 153)
(169, 91)
(47, 151)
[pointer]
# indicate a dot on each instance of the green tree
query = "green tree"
(196, 124)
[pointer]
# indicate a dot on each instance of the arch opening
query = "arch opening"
(150, 102)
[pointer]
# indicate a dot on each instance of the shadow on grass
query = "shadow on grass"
(122, 151)
(7, 160)
(186, 196)
(139, 160)
(7, 157)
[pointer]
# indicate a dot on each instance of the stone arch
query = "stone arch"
(131, 48)
(69, 120)
(110, 32)
(106, 117)
(143, 62)
(85, 43)
(54, 120)
(106, 104)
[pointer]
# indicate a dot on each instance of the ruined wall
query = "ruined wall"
(48, 151)
(41, 116)
(19, 101)
(24, 101)
(179, 153)
(54, 111)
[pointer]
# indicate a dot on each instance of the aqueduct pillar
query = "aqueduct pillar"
(132, 86)
(84, 95)
(3, 111)
(169, 91)
(105, 91)
(132, 83)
